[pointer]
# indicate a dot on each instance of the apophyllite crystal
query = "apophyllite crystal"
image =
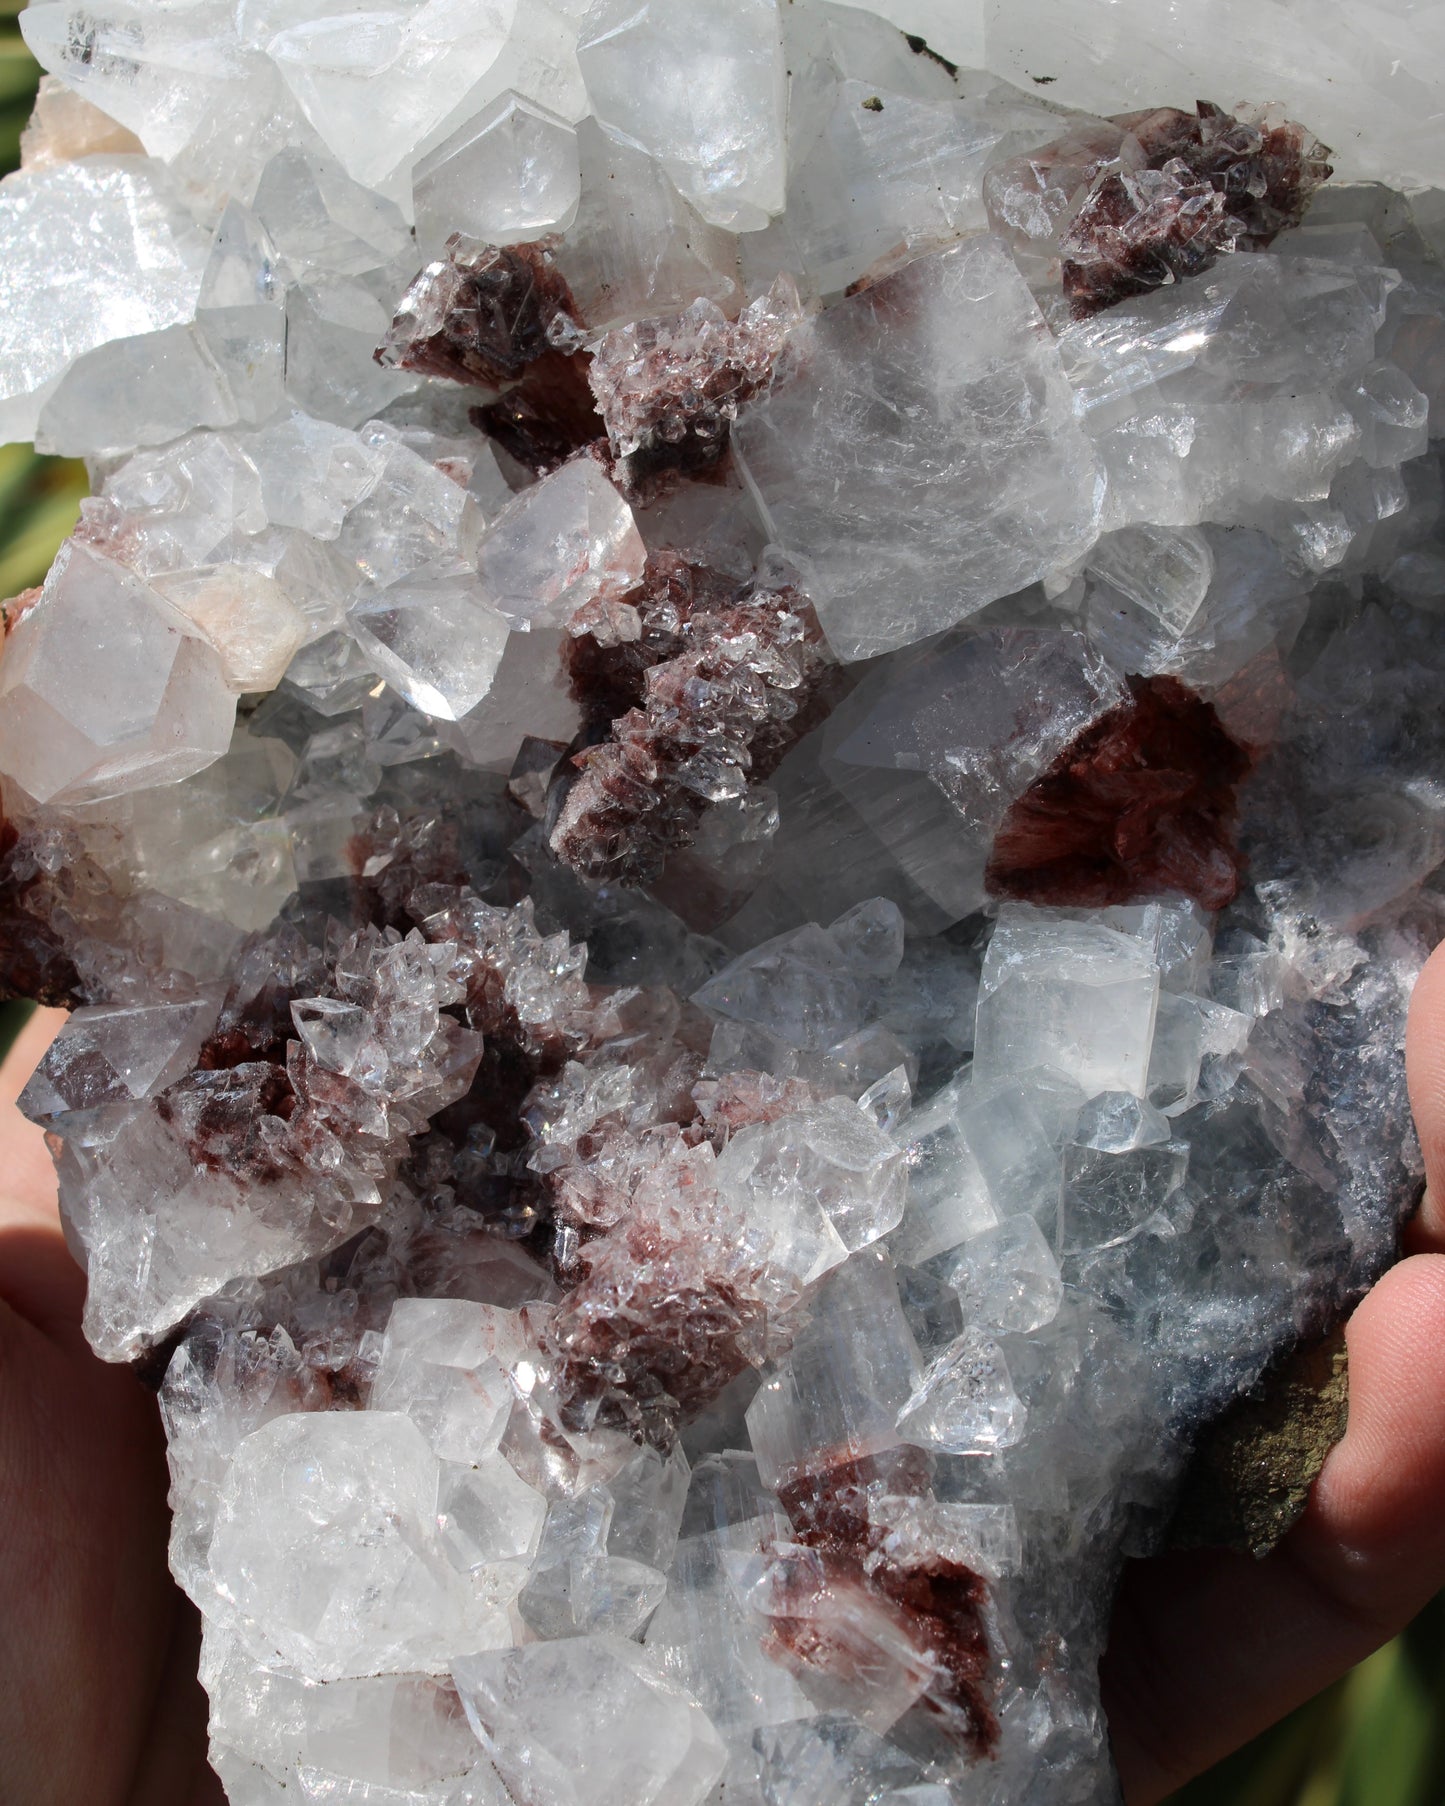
(736, 781)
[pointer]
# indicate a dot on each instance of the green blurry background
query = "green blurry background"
(1375, 1739)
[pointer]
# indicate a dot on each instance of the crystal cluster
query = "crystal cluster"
(736, 781)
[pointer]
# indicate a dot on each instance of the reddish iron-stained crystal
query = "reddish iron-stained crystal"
(669, 390)
(692, 688)
(941, 1602)
(1144, 801)
(1185, 188)
(502, 319)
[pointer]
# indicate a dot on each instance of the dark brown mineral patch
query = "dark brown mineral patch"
(1189, 187)
(502, 318)
(1144, 801)
(34, 965)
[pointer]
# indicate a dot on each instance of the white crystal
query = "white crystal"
(992, 486)
(509, 176)
(637, 249)
(114, 258)
(437, 641)
(374, 84)
(965, 1403)
(702, 90)
(439, 1364)
(157, 73)
(841, 1386)
(250, 621)
(353, 1579)
(559, 545)
(1007, 1277)
(102, 692)
(590, 1722)
(1076, 996)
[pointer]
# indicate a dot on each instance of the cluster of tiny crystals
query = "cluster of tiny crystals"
(735, 783)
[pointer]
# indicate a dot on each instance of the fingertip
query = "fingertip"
(1425, 1074)
(1374, 1530)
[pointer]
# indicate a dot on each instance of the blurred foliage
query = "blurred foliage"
(39, 497)
(1377, 1738)
(13, 1017)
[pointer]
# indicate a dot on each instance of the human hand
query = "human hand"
(1209, 1648)
(99, 1700)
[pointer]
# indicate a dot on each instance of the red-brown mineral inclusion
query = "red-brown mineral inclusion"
(33, 963)
(940, 1602)
(1145, 801)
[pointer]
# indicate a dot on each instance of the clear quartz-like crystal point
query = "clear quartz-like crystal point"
(436, 640)
(125, 59)
(559, 545)
(701, 89)
(375, 84)
(509, 176)
(102, 690)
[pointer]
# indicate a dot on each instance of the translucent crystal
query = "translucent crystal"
(365, 1490)
(1072, 995)
(693, 1202)
(703, 91)
(130, 265)
(439, 1364)
(436, 640)
(508, 176)
(373, 89)
(588, 1722)
(886, 154)
(1008, 1278)
(835, 1390)
(563, 543)
(246, 616)
(637, 248)
(126, 60)
(88, 715)
(993, 486)
(965, 1402)
(65, 126)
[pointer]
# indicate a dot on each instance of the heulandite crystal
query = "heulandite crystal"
(736, 783)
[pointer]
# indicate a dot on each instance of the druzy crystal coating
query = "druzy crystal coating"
(736, 782)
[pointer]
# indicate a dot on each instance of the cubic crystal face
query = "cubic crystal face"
(917, 473)
(735, 782)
